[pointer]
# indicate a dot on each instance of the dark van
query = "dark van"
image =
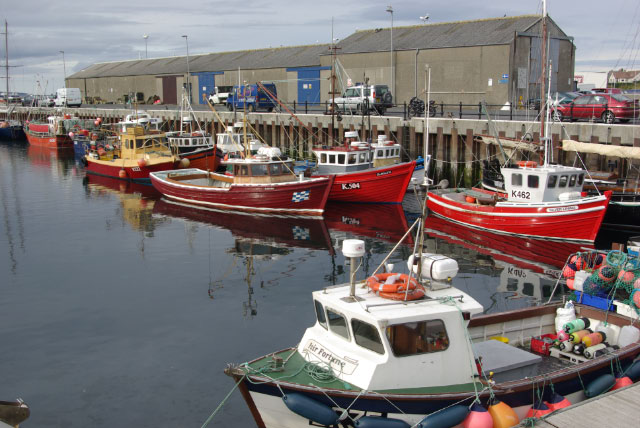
(252, 97)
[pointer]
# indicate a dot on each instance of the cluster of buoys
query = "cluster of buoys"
(578, 262)
(98, 121)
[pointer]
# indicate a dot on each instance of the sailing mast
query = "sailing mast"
(6, 58)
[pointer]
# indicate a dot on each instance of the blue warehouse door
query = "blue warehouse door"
(206, 84)
(309, 86)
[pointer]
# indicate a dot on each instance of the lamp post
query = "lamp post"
(64, 69)
(186, 38)
(393, 86)
(146, 53)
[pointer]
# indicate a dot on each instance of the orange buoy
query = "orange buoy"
(538, 410)
(122, 173)
(570, 283)
(557, 401)
(568, 271)
(142, 163)
(470, 199)
(391, 282)
(592, 339)
(503, 415)
(621, 382)
(576, 336)
(527, 164)
(478, 417)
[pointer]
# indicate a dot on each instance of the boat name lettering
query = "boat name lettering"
(350, 186)
(562, 209)
(135, 168)
(516, 272)
(345, 365)
(383, 173)
(350, 220)
(520, 194)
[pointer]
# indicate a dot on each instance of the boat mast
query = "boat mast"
(6, 58)
(427, 82)
(543, 69)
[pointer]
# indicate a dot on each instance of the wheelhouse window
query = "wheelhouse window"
(259, 170)
(563, 181)
(337, 324)
(322, 319)
(580, 179)
(516, 180)
(332, 158)
(533, 181)
(380, 153)
(362, 158)
(242, 170)
(323, 158)
(367, 336)
(551, 182)
(572, 180)
(417, 337)
(275, 169)
(352, 158)
(341, 159)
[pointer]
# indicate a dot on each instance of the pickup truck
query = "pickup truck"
(220, 94)
(365, 98)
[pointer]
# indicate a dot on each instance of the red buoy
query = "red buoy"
(538, 410)
(478, 417)
(621, 382)
(557, 401)
(122, 173)
(142, 163)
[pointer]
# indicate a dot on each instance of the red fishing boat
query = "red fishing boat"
(55, 133)
(140, 151)
(261, 183)
(539, 201)
(365, 172)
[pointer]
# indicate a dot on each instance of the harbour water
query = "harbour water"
(119, 308)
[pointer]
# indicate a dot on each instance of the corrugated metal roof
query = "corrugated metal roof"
(485, 32)
(282, 57)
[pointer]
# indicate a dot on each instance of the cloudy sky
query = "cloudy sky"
(606, 33)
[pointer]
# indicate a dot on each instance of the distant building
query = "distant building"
(494, 60)
(623, 76)
(587, 80)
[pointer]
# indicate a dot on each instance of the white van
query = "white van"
(68, 97)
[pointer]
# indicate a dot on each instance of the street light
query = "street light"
(146, 54)
(393, 86)
(64, 68)
(186, 38)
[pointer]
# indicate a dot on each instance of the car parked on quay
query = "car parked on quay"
(364, 98)
(607, 107)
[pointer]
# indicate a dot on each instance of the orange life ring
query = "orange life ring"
(416, 294)
(400, 285)
(527, 164)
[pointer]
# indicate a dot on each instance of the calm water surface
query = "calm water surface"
(119, 308)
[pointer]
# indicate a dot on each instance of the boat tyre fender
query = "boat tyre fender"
(378, 283)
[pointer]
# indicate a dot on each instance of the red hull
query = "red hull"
(376, 185)
(572, 220)
(205, 160)
(136, 174)
(280, 197)
(51, 141)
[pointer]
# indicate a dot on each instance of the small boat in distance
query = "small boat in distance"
(260, 183)
(55, 133)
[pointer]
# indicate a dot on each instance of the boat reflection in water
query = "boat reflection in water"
(60, 162)
(386, 222)
(136, 200)
(529, 267)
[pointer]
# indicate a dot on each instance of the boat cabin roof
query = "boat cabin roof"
(382, 311)
(547, 183)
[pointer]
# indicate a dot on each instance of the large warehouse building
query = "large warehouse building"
(493, 60)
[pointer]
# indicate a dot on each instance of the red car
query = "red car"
(607, 107)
